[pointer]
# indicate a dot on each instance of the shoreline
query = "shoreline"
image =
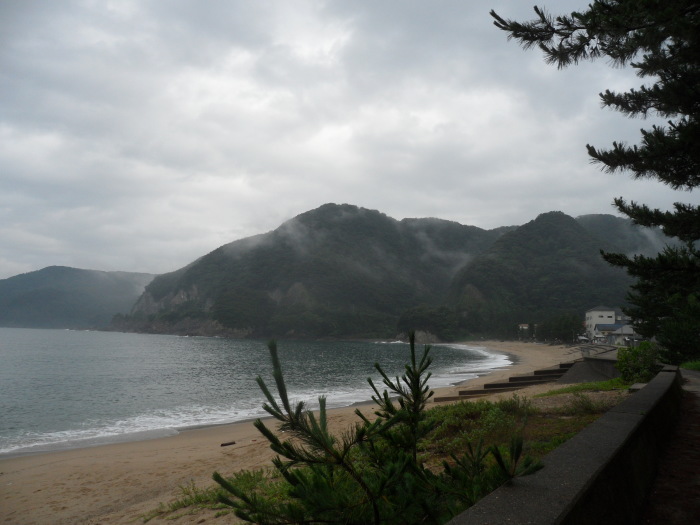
(442, 379)
(118, 482)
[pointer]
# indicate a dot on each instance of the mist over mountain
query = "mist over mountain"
(344, 271)
(63, 297)
(549, 266)
(335, 271)
(625, 236)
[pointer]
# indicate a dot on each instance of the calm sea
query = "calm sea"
(66, 389)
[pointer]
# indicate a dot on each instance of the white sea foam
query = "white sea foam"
(159, 423)
(149, 384)
(470, 369)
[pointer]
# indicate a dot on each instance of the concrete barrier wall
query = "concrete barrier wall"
(596, 368)
(601, 475)
(604, 365)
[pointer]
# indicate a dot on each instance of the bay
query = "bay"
(65, 389)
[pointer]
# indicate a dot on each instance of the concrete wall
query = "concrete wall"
(599, 367)
(601, 475)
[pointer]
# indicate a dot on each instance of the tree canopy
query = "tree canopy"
(660, 40)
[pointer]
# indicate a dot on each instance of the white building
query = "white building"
(603, 315)
(624, 336)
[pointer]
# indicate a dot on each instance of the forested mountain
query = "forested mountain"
(547, 267)
(344, 271)
(335, 271)
(63, 297)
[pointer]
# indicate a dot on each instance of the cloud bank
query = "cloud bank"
(139, 135)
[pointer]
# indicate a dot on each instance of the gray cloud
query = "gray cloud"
(140, 135)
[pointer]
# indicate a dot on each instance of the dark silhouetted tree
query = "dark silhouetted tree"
(660, 40)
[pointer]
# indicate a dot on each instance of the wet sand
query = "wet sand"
(119, 483)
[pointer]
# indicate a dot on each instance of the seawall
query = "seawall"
(600, 476)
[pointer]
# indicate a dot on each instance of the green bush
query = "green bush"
(691, 365)
(375, 471)
(638, 364)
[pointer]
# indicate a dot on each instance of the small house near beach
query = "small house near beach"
(608, 325)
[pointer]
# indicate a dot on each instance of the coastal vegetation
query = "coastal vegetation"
(638, 364)
(691, 365)
(377, 471)
(617, 383)
(457, 437)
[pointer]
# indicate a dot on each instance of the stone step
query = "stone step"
(442, 399)
(493, 389)
(539, 377)
(555, 372)
(470, 394)
(519, 384)
(556, 368)
(489, 391)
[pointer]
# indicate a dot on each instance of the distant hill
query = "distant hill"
(550, 265)
(344, 271)
(63, 297)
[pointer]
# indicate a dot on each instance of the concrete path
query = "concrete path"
(675, 495)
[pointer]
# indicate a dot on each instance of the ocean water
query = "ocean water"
(66, 389)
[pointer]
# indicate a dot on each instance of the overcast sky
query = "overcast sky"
(140, 135)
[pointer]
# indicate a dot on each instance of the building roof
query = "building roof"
(617, 310)
(608, 327)
(625, 329)
(606, 308)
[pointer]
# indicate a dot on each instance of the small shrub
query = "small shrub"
(516, 405)
(495, 426)
(375, 471)
(452, 425)
(638, 364)
(191, 496)
(583, 404)
(512, 463)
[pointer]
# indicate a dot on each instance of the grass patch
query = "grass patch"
(595, 386)
(456, 425)
(191, 498)
(546, 431)
(262, 482)
(691, 365)
(582, 404)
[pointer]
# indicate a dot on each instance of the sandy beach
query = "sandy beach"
(119, 483)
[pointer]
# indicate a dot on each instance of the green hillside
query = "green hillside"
(335, 271)
(343, 271)
(548, 267)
